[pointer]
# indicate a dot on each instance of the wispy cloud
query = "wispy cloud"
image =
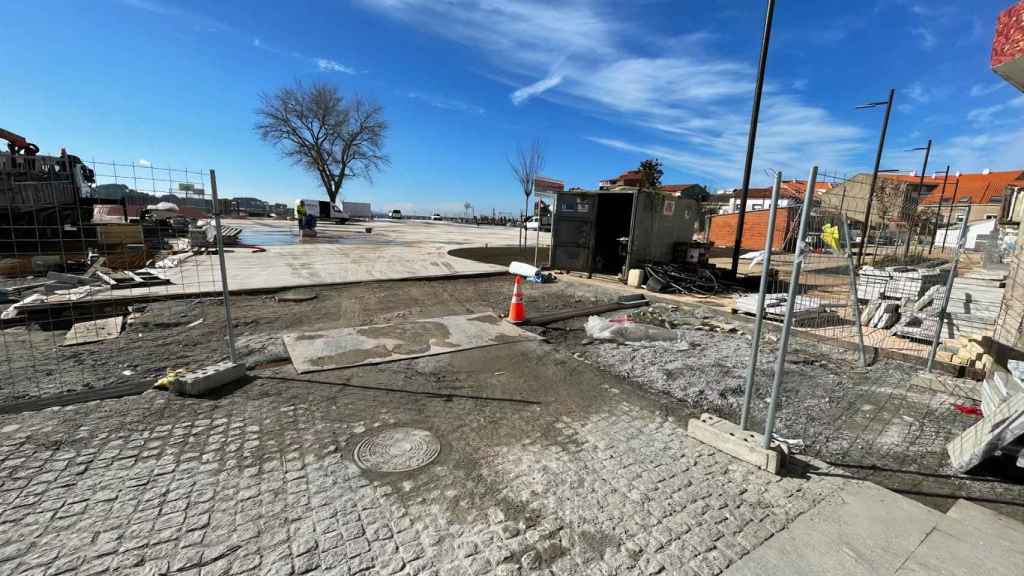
(538, 87)
(982, 117)
(918, 93)
(985, 89)
(328, 65)
(143, 162)
(200, 22)
(800, 84)
(445, 103)
(691, 102)
(924, 37)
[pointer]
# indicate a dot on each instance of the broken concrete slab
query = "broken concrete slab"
(198, 382)
(344, 347)
(734, 441)
(94, 331)
(983, 521)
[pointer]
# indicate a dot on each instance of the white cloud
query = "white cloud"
(445, 103)
(538, 87)
(984, 116)
(692, 103)
(924, 37)
(200, 22)
(918, 93)
(800, 84)
(143, 162)
(985, 89)
(328, 65)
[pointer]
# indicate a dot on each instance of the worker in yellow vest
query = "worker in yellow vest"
(300, 214)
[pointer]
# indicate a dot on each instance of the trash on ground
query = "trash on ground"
(625, 331)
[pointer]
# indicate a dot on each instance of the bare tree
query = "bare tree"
(318, 129)
(891, 201)
(526, 167)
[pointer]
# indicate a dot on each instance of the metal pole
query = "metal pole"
(874, 177)
(920, 186)
(854, 301)
(755, 347)
(536, 205)
(223, 268)
(949, 289)
(938, 211)
(949, 215)
(752, 134)
(787, 323)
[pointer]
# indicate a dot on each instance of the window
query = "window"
(996, 199)
(991, 216)
(965, 199)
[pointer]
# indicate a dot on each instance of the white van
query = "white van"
(324, 210)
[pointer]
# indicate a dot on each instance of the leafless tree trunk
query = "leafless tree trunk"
(318, 129)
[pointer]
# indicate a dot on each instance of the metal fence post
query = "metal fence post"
(961, 242)
(223, 268)
(794, 290)
(853, 293)
(748, 389)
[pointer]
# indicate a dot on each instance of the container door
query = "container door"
(572, 232)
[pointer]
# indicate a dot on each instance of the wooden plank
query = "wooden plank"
(734, 441)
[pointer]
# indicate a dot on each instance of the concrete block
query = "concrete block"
(635, 278)
(736, 442)
(206, 379)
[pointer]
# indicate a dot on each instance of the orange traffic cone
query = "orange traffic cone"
(516, 310)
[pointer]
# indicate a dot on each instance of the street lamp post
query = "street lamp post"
(938, 212)
(920, 186)
(752, 135)
(874, 173)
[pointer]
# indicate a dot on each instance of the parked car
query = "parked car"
(534, 222)
(435, 216)
(395, 214)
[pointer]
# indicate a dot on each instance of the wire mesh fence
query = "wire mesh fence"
(876, 416)
(109, 275)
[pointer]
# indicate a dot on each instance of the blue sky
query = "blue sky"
(603, 83)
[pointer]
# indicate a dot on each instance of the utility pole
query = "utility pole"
(920, 186)
(874, 173)
(938, 212)
(752, 135)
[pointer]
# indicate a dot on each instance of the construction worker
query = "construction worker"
(300, 214)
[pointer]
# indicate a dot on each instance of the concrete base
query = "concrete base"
(736, 442)
(206, 379)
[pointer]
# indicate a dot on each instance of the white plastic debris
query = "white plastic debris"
(523, 269)
(626, 331)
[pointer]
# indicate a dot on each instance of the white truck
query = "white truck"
(324, 210)
(357, 210)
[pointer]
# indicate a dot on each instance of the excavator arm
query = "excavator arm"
(18, 144)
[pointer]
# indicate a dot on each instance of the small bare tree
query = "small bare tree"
(526, 167)
(318, 129)
(891, 199)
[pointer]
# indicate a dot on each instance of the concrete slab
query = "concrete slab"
(379, 343)
(864, 530)
(987, 524)
(94, 331)
(734, 441)
(962, 552)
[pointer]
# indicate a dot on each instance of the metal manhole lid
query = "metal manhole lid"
(397, 450)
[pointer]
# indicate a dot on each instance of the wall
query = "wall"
(654, 232)
(755, 228)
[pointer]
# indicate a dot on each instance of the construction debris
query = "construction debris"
(624, 331)
(996, 430)
(804, 307)
(898, 282)
(94, 331)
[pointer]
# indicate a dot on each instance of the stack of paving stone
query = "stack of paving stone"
(804, 307)
(967, 352)
(1001, 428)
(974, 304)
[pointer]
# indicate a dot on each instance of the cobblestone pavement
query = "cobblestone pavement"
(547, 466)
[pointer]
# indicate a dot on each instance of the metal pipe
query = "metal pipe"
(938, 211)
(920, 187)
(961, 241)
(752, 134)
(748, 388)
(223, 268)
(854, 301)
(787, 323)
(874, 177)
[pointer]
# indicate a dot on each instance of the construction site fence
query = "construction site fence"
(107, 285)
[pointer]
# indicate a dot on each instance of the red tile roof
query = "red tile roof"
(979, 188)
(676, 187)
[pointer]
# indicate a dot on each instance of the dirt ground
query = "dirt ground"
(870, 422)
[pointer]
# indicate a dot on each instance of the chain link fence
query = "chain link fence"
(109, 277)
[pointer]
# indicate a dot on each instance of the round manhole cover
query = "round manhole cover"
(397, 450)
